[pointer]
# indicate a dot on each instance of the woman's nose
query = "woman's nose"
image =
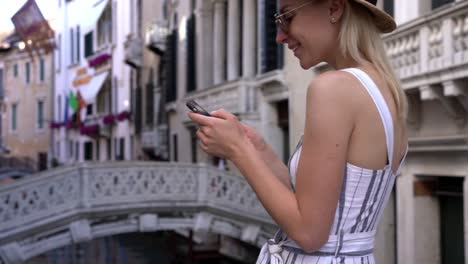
(281, 37)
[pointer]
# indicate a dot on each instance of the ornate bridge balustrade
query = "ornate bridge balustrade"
(78, 203)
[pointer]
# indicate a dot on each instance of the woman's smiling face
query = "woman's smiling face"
(306, 28)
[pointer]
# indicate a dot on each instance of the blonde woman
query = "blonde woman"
(329, 199)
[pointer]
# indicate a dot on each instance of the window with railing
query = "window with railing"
(104, 28)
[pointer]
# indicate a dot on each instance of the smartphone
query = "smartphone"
(196, 108)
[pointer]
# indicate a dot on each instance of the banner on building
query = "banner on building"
(33, 29)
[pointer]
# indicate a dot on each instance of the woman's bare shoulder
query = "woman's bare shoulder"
(339, 85)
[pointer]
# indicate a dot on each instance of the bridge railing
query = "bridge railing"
(56, 195)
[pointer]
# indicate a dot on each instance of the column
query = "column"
(233, 39)
(249, 37)
(465, 215)
(204, 44)
(219, 41)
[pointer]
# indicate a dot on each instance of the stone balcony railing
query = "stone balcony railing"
(430, 55)
(430, 44)
(234, 96)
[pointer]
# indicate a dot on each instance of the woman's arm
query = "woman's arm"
(306, 216)
(268, 155)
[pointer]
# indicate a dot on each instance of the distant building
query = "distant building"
(26, 84)
(93, 96)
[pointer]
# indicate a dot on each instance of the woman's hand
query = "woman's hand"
(257, 141)
(222, 134)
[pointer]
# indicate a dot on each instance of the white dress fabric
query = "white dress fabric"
(364, 195)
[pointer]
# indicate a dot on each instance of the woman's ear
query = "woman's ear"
(336, 9)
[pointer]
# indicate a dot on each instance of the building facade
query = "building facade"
(25, 92)
(429, 53)
(223, 55)
(93, 96)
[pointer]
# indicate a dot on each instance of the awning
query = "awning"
(90, 90)
(93, 13)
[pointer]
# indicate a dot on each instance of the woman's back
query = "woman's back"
(365, 189)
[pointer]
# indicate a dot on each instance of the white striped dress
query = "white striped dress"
(364, 195)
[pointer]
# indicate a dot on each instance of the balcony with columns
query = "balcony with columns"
(430, 55)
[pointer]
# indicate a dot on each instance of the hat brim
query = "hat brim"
(384, 22)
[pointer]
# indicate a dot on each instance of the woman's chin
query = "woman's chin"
(307, 64)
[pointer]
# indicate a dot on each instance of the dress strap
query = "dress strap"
(382, 107)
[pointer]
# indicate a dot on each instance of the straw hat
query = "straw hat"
(385, 23)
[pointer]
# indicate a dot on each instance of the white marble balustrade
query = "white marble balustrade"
(430, 44)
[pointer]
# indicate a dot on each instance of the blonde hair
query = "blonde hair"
(360, 40)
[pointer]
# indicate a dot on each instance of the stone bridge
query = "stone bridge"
(79, 203)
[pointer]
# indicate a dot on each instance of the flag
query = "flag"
(73, 102)
(80, 104)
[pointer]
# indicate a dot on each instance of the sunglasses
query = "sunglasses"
(282, 21)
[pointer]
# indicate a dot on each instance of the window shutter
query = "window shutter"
(191, 55)
(137, 110)
(149, 103)
(78, 44)
(272, 52)
(171, 68)
(439, 3)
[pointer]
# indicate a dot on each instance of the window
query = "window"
(77, 151)
(72, 47)
(439, 3)
(28, 72)
(78, 40)
(15, 70)
(191, 54)
(14, 115)
(389, 7)
(170, 67)
(58, 54)
(88, 48)
(59, 110)
(271, 52)
(40, 115)
(1, 83)
(104, 28)
(174, 141)
(121, 149)
(70, 149)
(88, 151)
(41, 70)
(109, 149)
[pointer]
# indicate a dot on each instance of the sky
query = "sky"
(10, 7)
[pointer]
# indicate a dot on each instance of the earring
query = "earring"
(333, 20)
